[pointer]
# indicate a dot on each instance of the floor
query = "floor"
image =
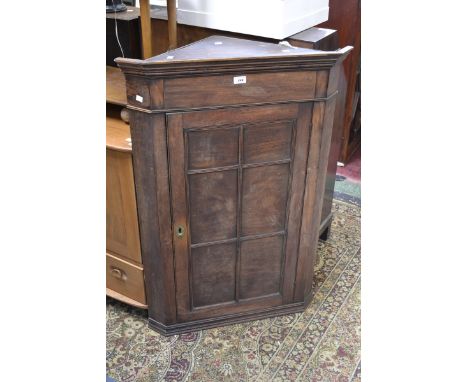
(348, 180)
(352, 170)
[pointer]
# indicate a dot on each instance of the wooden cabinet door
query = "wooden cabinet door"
(237, 183)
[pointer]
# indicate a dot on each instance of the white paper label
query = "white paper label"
(139, 98)
(240, 80)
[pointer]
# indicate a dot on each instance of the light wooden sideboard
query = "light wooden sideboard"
(124, 268)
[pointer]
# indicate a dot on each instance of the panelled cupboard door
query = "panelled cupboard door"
(237, 184)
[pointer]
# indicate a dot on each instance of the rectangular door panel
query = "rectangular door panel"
(213, 206)
(267, 142)
(213, 265)
(264, 199)
(212, 148)
(260, 269)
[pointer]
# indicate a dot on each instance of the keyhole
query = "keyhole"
(180, 231)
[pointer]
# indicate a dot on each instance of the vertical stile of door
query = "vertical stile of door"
(187, 224)
(292, 151)
(239, 208)
(179, 208)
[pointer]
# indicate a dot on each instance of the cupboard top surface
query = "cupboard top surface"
(224, 48)
(219, 54)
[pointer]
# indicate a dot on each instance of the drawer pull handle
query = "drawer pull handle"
(118, 274)
(180, 231)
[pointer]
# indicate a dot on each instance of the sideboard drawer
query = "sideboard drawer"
(125, 278)
(251, 88)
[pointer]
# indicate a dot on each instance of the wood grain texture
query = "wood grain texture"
(310, 221)
(138, 92)
(172, 23)
(154, 213)
(179, 212)
(157, 94)
(268, 142)
(213, 200)
(261, 266)
(115, 86)
(125, 299)
(338, 78)
(213, 265)
(118, 134)
(326, 135)
(244, 115)
(327, 39)
(265, 197)
(219, 90)
(299, 170)
(122, 231)
(212, 148)
(322, 123)
(145, 24)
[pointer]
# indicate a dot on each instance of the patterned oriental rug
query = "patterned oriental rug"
(321, 344)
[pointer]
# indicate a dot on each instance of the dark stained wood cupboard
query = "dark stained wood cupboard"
(230, 145)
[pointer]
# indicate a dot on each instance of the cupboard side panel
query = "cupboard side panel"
(322, 121)
(152, 191)
(296, 201)
(326, 137)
